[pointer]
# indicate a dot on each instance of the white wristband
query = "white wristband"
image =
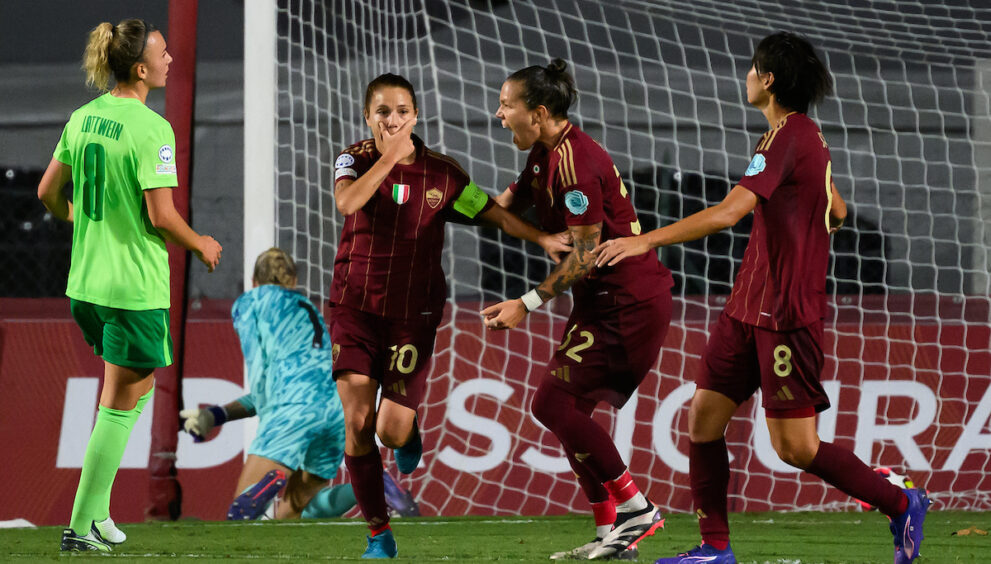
(531, 300)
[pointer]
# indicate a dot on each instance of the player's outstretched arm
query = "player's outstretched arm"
(573, 268)
(737, 204)
(165, 218)
(50, 190)
(199, 422)
(352, 195)
(837, 209)
(556, 245)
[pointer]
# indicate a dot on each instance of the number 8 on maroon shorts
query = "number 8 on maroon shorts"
(785, 365)
(395, 352)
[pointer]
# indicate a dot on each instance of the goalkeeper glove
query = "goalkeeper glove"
(199, 422)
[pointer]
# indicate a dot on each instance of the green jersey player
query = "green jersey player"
(120, 157)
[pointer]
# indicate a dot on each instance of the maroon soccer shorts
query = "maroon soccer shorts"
(785, 365)
(394, 352)
(606, 352)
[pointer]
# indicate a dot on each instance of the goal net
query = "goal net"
(661, 87)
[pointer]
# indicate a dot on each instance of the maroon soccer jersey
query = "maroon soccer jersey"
(389, 258)
(576, 183)
(781, 284)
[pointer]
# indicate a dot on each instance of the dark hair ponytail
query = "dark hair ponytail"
(551, 86)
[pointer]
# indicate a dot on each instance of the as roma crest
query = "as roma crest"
(335, 351)
(434, 196)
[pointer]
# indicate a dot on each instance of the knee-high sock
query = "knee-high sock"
(365, 475)
(842, 469)
(332, 501)
(709, 478)
(103, 453)
(603, 507)
(104, 508)
(594, 491)
(559, 411)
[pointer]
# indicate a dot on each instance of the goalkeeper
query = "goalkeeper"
(288, 353)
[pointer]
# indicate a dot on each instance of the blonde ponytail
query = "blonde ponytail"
(96, 62)
(113, 50)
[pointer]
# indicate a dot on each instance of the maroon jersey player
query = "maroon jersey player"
(388, 291)
(620, 315)
(769, 336)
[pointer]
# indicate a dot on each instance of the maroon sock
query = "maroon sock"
(709, 477)
(842, 469)
(569, 418)
(365, 473)
(594, 491)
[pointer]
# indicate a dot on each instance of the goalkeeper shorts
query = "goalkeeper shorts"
(303, 436)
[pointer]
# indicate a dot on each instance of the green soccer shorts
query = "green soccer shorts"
(135, 339)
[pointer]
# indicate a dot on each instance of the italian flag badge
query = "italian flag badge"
(400, 193)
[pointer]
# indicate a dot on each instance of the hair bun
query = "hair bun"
(558, 65)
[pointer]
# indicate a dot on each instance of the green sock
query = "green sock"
(330, 502)
(103, 453)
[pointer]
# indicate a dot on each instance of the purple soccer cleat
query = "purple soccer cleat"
(252, 503)
(907, 527)
(399, 499)
(703, 553)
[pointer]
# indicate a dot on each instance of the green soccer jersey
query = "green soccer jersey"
(117, 148)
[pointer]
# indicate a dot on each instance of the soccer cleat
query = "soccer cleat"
(582, 552)
(907, 527)
(705, 553)
(108, 531)
(71, 542)
(399, 500)
(252, 503)
(579, 553)
(382, 545)
(408, 455)
(629, 528)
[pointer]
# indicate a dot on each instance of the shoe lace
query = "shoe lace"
(693, 552)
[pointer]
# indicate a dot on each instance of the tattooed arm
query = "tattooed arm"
(573, 268)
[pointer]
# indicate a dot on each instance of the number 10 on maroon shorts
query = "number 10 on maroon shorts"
(395, 352)
(607, 351)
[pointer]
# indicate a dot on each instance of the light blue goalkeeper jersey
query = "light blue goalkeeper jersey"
(287, 349)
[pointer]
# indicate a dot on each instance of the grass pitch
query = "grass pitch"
(777, 538)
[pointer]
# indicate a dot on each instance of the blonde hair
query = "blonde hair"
(275, 266)
(113, 49)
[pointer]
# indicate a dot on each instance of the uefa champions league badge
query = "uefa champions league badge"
(344, 161)
(576, 202)
(165, 154)
(756, 165)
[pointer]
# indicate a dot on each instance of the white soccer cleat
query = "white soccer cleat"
(629, 529)
(580, 553)
(583, 552)
(109, 531)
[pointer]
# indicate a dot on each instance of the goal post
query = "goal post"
(260, 116)
(661, 87)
